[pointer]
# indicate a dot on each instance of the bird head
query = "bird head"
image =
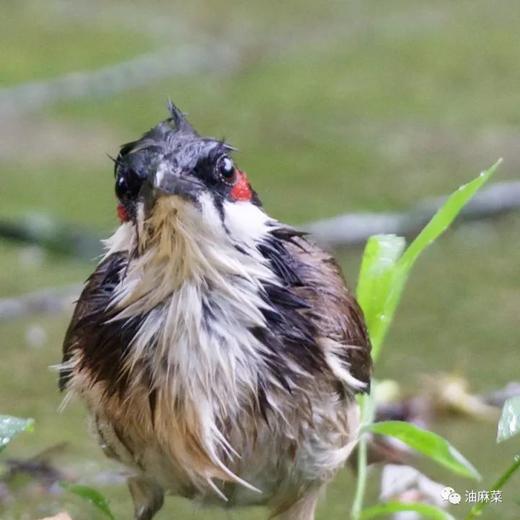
(172, 172)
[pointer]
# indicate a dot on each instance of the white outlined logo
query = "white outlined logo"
(450, 495)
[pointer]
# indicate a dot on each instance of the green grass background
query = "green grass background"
(335, 106)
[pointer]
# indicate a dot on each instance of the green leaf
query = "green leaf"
(375, 283)
(384, 270)
(429, 444)
(90, 495)
(427, 511)
(509, 423)
(10, 427)
(445, 216)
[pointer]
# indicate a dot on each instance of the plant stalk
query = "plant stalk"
(366, 412)
(477, 509)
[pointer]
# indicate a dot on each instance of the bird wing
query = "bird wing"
(315, 277)
(90, 312)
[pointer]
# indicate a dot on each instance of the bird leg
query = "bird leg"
(147, 495)
(304, 508)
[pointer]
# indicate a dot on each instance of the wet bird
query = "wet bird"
(218, 350)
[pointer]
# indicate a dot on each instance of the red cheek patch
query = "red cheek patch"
(241, 191)
(122, 214)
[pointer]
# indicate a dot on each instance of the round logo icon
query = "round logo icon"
(450, 495)
(446, 492)
(454, 498)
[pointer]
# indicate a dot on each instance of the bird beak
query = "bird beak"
(167, 181)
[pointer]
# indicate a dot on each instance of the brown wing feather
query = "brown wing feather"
(93, 299)
(335, 311)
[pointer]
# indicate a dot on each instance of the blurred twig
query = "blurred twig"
(52, 235)
(52, 300)
(39, 466)
(353, 229)
(136, 72)
(499, 397)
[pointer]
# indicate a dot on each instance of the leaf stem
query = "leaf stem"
(477, 509)
(367, 415)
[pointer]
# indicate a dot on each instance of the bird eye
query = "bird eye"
(128, 184)
(226, 169)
